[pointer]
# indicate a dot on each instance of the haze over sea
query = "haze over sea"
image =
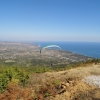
(91, 49)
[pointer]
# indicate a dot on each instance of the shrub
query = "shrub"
(4, 80)
(14, 74)
(40, 69)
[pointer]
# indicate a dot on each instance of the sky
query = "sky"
(50, 20)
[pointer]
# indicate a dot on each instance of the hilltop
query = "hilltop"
(56, 85)
(68, 84)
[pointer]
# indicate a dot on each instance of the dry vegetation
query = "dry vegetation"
(56, 85)
(67, 85)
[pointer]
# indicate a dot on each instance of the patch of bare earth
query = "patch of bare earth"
(70, 84)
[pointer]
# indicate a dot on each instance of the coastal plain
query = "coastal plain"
(22, 53)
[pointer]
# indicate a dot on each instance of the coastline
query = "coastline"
(90, 49)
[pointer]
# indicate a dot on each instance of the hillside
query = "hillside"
(71, 85)
(57, 85)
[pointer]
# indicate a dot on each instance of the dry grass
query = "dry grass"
(77, 90)
(61, 85)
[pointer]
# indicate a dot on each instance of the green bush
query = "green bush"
(4, 80)
(13, 73)
(40, 69)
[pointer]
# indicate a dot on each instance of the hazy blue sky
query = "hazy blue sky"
(50, 20)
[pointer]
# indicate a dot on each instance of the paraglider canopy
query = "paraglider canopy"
(50, 46)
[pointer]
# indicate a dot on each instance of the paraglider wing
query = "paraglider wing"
(50, 46)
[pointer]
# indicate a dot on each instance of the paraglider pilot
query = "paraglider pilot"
(40, 51)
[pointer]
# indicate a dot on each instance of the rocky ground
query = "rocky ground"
(72, 83)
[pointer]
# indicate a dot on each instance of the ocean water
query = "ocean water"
(91, 49)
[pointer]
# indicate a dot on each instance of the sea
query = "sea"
(91, 49)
